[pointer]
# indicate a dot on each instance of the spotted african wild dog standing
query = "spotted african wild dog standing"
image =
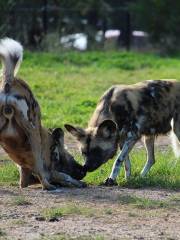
(22, 135)
(123, 115)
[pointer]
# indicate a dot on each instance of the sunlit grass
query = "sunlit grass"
(66, 210)
(164, 174)
(8, 173)
(68, 86)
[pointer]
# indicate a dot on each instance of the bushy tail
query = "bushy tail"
(175, 142)
(11, 53)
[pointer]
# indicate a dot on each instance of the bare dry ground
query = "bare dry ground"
(94, 212)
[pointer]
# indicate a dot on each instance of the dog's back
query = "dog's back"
(148, 106)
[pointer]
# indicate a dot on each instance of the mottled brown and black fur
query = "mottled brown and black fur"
(123, 115)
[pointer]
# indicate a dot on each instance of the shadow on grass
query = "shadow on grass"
(163, 182)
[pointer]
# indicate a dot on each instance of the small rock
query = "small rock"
(40, 218)
(53, 219)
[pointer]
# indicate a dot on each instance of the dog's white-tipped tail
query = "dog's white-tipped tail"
(175, 142)
(11, 53)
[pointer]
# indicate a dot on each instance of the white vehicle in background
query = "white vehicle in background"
(79, 41)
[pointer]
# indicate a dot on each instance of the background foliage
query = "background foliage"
(31, 21)
(161, 19)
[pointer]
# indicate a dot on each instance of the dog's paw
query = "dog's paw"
(110, 182)
(49, 187)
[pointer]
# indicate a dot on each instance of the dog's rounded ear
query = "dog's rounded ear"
(107, 129)
(77, 132)
(57, 134)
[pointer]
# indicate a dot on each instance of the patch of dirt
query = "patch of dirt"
(110, 216)
(113, 213)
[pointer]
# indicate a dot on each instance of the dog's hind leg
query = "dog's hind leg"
(65, 180)
(26, 177)
(127, 167)
(149, 145)
(34, 136)
(175, 135)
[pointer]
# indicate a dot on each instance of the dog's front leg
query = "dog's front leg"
(127, 147)
(65, 180)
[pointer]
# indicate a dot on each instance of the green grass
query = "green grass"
(66, 237)
(68, 86)
(164, 173)
(2, 233)
(68, 209)
(142, 203)
(19, 201)
(148, 203)
(9, 174)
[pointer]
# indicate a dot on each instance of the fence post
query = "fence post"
(44, 16)
(128, 31)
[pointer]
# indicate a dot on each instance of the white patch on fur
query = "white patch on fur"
(23, 107)
(21, 104)
(175, 142)
(32, 125)
(10, 130)
(56, 150)
(2, 98)
(65, 147)
(129, 134)
(140, 122)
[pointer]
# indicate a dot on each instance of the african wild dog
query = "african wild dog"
(124, 114)
(66, 171)
(21, 134)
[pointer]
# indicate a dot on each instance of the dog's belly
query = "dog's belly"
(153, 125)
(24, 159)
(156, 129)
(20, 154)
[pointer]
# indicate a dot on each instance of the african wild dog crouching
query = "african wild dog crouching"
(65, 171)
(22, 135)
(123, 115)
